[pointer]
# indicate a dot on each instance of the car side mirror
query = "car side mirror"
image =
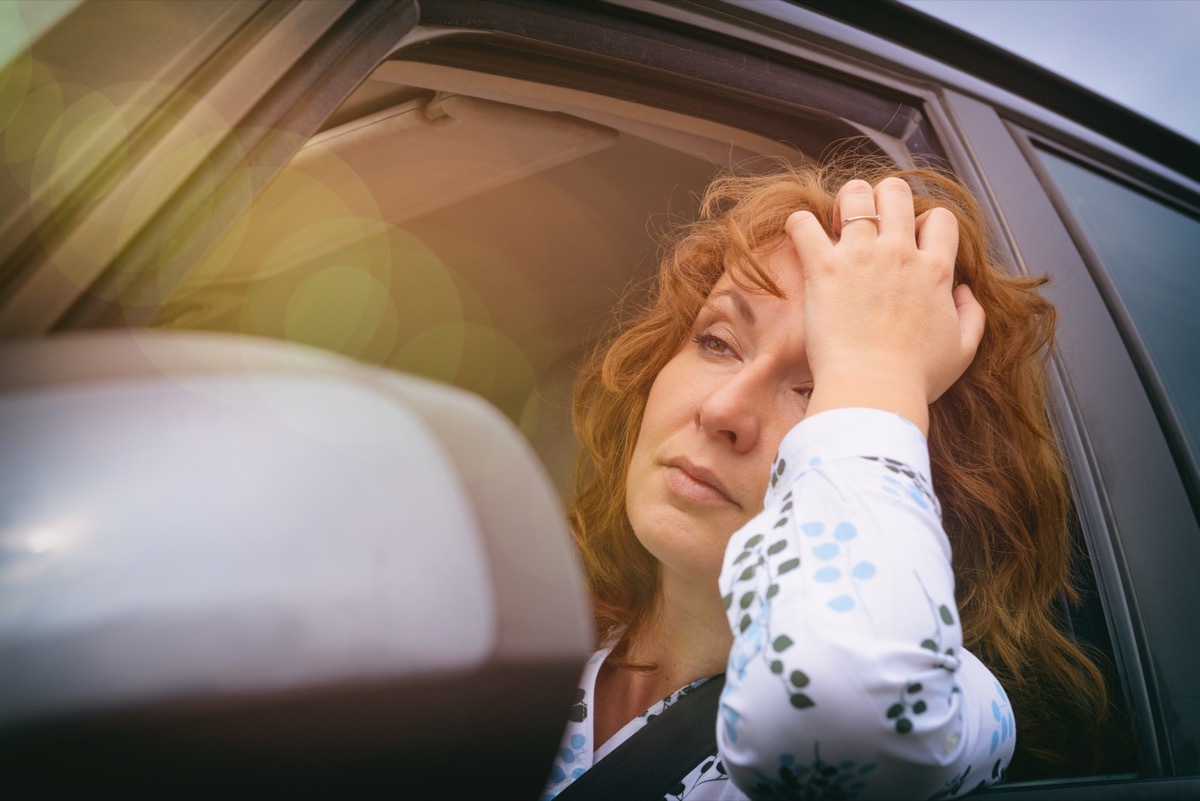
(230, 566)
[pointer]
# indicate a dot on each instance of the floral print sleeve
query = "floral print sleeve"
(847, 677)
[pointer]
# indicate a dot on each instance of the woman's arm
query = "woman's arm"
(847, 666)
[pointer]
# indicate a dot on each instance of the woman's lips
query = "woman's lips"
(697, 484)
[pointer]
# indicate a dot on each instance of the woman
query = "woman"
(811, 366)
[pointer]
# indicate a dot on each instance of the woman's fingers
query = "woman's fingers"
(894, 204)
(807, 236)
(855, 199)
(856, 205)
(971, 321)
(937, 233)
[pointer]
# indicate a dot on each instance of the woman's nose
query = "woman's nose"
(733, 410)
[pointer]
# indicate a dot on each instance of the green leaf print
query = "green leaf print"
(802, 701)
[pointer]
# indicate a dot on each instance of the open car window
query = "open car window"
(477, 228)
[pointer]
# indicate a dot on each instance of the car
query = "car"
(232, 229)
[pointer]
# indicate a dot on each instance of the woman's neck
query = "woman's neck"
(686, 637)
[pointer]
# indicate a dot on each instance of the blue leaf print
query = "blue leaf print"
(845, 532)
(730, 718)
(826, 551)
(842, 603)
(813, 529)
(917, 496)
(827, 575)
(863, 571)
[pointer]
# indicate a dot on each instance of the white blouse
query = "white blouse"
(847, 677)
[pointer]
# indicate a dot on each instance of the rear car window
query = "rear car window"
(1148, 250)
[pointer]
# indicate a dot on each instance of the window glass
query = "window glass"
(1152, 254)
(77, 80)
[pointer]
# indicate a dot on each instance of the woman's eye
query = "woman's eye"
(712, 345)
(805, 392)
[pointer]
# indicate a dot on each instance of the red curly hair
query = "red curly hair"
(995, 462)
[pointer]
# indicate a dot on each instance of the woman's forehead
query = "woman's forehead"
(729, 295)
(768, 272)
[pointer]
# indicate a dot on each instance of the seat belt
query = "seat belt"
(659, 755)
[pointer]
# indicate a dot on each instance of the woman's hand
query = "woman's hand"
(884, 325)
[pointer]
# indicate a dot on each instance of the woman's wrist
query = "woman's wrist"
(872, 389)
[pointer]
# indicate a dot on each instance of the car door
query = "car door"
(1127, 417)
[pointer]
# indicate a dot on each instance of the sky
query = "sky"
(1145, 54)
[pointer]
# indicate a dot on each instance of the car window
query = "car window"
(1148, 251)
(72, 96)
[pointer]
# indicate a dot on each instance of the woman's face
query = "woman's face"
(714, 420)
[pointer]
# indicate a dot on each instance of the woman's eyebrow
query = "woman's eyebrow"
(738, 300)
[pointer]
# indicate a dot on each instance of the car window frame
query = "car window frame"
(323, 73)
